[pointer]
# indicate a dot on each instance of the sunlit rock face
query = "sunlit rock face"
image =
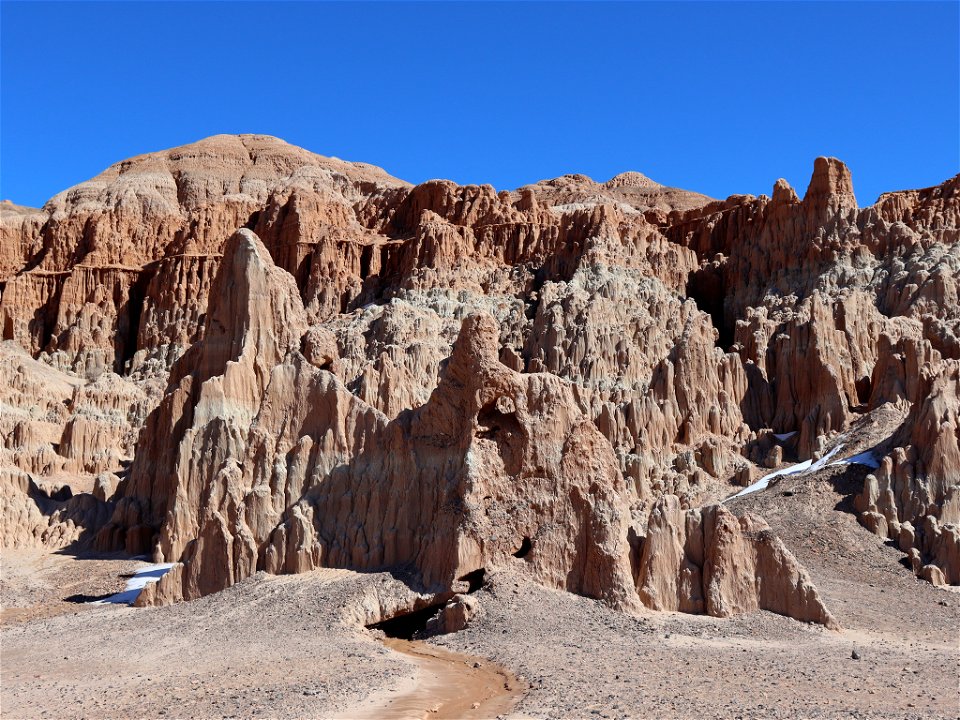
(272, 360)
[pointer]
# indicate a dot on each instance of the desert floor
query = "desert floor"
(287, 646)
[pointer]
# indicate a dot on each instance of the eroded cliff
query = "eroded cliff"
(329, 367)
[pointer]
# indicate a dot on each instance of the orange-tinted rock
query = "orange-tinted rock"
(282, 468)
(364, 357)
(35, 516)
(914, 496)
(708, 560)
(19, 237)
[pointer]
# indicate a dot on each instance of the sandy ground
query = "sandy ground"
(287, 647)
(268, 647)
(37, 583)
(581, 659)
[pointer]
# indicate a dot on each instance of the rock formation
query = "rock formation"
(306, 362)
(51, 515)
(708, 560)
(272, 464)
(61, 439)
(913, 498)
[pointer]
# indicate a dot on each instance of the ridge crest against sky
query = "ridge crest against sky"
(716, 97)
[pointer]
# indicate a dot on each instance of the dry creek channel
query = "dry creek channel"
(447, 686)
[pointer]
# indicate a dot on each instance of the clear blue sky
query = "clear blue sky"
(719, 97)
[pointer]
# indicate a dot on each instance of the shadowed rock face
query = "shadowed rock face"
(280, 467)
(913, 498)
(344, 370)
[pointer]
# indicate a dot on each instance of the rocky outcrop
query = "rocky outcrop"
(119, 268)
(310, 363)
(19, 236)
(50, 516)
(496, 469)
(71, 425)
(121, 264)
(815, 282)
(913, 498)
(59, 450)
(328, 481)
(708, 560)
(214, 394)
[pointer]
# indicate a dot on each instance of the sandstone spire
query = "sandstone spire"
(831, 186)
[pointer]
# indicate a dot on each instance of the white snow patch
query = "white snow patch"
(784, 436)
(825, 460)
(807, 466)
(141, 578)
(865, 458)
(762, 483)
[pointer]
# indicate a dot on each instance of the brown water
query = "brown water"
(447, 687)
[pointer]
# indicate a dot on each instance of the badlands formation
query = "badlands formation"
(617, 417)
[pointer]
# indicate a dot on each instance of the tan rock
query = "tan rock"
(455, 615)
(917, 486)
(32, 516)
(332, 359)
(708, 560)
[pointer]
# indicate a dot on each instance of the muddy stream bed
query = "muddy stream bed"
(447, 686)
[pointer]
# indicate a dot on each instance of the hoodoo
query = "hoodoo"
(261, 359)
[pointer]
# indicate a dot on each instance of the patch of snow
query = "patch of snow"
(865, 458)
(784, 436)
(807, 466)
(762, 483)
(141, 578)
(825, 460)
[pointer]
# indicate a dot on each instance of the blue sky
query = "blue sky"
(719, 97)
